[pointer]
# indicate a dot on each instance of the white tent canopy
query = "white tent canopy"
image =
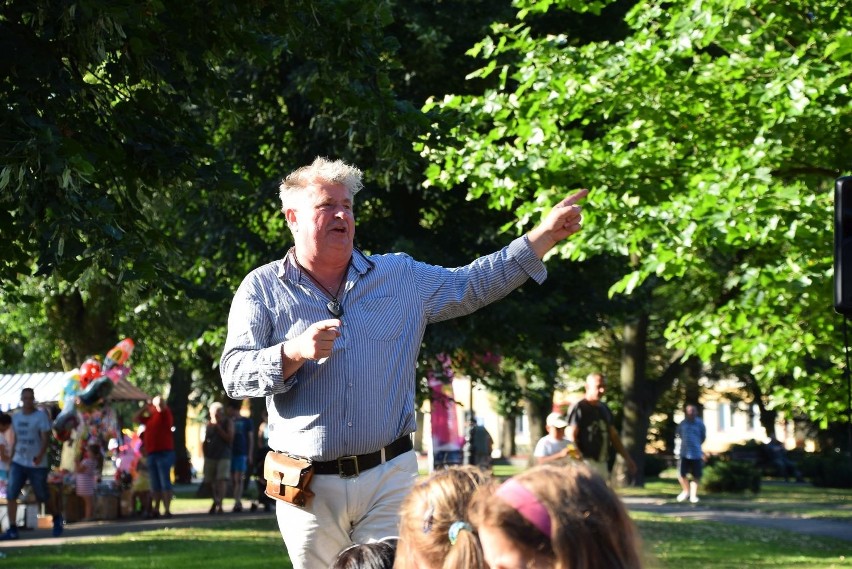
(48, 386)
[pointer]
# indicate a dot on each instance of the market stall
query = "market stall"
(48, 387)
(87, 421)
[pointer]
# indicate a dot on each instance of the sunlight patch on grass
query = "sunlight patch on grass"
(677, 542)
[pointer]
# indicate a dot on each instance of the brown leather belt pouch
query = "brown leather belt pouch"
(288, 478)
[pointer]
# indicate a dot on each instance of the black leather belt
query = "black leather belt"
(353, 465)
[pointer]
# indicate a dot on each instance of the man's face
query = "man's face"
(595, 388)
(28, 401)
(557, 433)
(691, 411)
(324, 220)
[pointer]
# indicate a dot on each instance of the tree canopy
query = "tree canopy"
(710, 136)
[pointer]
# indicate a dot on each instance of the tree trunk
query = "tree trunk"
(692, 390)
(180, 387)
(767, 416)
(634, 428)
(82, 327)
(641, 395)
(507, 437)
(537, 405)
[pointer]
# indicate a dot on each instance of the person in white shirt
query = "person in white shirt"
(554, 446)
(29, 461)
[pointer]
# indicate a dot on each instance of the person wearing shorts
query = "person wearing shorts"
(691, 434)
(242, 450)
(29, 462)
(160, 447)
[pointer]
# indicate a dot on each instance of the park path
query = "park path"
(838, 528)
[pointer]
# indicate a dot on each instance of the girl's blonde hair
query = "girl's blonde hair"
(433, 522)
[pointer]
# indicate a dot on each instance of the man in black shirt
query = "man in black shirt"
(592, 429)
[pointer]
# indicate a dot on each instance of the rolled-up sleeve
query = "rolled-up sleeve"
(521, 251)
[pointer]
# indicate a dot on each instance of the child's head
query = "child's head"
(556, 517)
(434, 531)
(556, 426)
(375, 555)
(5, 422)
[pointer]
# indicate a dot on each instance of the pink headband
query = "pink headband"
(525, 503)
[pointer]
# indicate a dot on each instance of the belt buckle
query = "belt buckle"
(342, 460)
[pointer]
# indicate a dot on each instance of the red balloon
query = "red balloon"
(89, 370)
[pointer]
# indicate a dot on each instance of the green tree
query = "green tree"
(710, 136)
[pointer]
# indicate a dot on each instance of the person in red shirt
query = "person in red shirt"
(160, 447)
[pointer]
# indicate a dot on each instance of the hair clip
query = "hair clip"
(427, 519)
(456, 528)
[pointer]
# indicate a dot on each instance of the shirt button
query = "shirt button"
(350, 423)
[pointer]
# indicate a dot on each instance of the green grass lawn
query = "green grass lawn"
(246, 544)
(669, 541)
(672, 542)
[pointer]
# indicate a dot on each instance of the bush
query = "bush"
(732, 476)
(810, 464)
(832, 471)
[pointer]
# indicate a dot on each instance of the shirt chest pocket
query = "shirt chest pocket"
(380, 318)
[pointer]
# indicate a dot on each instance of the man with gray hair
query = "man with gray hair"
(330, 337)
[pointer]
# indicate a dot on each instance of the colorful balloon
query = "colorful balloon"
(89, 371)
(65, 422)
(88, 386)
(96, 391)
(119, 354)
(72, 388)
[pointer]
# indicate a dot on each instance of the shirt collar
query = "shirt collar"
(289, 271)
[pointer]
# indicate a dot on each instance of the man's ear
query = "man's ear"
(291, 217)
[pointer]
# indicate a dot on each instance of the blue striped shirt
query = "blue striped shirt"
(692, 434)
(362, 397)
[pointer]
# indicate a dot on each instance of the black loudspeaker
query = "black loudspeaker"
(843, 245)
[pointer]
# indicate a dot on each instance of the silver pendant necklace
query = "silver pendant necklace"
(333, 306)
